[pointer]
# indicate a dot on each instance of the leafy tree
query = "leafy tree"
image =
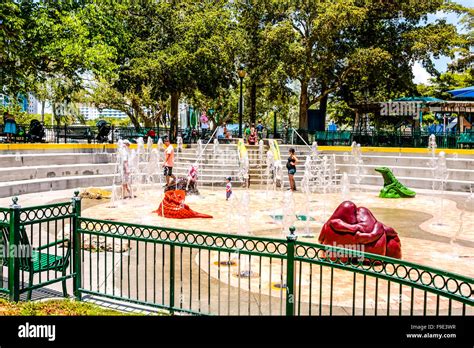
(42, 39)
(167, 50)
(439, 86)
(260, 49)
(349, 47)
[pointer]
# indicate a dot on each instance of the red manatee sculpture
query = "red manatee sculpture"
(173, 207)
(357, 228)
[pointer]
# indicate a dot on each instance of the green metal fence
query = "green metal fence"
(417, 139)
(220, 274)
(36, 246)
(4, 223)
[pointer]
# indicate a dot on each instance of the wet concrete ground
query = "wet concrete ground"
(203, 283)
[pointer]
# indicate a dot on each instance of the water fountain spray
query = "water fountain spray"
(118, 173)
(244, 169)
(152, 168)
(307, 176)
(306, 188)
(345, 187)
(433, 162)
(358, 163)
(215, 157)
(140, 149)
(288, 211)
(324, 181)
(149, 146)
(200, 150)
(432, 144)
(441, 176)
(244, 216)
(278, 176)
(269, 170)
(314, 150)
(332, 173)
(134, 168)
(179, 144)
(260, 153)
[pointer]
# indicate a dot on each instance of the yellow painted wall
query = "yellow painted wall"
(43, 147)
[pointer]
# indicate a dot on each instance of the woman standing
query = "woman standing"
(10, 126)
(291, 166)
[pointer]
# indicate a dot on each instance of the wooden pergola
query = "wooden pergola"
(463, 109)
(361, 110)
(412, 112)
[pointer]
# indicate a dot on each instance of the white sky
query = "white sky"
(420, 73)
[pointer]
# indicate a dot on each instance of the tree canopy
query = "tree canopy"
(143, 57)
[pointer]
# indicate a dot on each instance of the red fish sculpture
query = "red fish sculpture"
(358, 229)
(173, 206)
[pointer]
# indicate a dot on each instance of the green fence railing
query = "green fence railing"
(4, 223)
(219, 274)
(417, 139)
(36, 246)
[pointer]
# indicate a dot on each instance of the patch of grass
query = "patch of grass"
(55, 307)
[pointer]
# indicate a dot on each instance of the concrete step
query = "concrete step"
(52, 171)
(213, 176)
(19, 160)
(14, 188)
(414, 183)
(407, 171)
(388, 161)
(215, 162)
(209, 168)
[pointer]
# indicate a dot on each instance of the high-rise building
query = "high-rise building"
(32, 104)
(91, 113)
(3, 100)
(27, 103)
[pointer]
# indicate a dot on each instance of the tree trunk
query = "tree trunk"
(134, 120)
(137, 111)
(323, 106)
(356, 127)
(42, 111)
(174, 116)
(148, 121)
(304, 104)
(253, 103)
(55, 116)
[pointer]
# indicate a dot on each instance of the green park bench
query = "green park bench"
(80, 133)
(344, 138)
(331, 138)
(68, 133)
(35, 259)
(131, 134)
(466, 138)
(320, 136)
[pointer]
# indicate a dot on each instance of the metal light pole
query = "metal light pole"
(241, 72)
(274, 124)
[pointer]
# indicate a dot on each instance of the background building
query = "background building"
(27, 103)
(92, 113)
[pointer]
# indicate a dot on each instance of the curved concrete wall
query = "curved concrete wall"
(52, 170)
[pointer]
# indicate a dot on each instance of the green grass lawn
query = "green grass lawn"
(54, 307)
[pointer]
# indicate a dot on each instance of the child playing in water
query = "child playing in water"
(228, 188)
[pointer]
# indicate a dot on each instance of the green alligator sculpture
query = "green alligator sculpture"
(392, 188)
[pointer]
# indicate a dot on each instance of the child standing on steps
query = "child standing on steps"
(228, 188)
